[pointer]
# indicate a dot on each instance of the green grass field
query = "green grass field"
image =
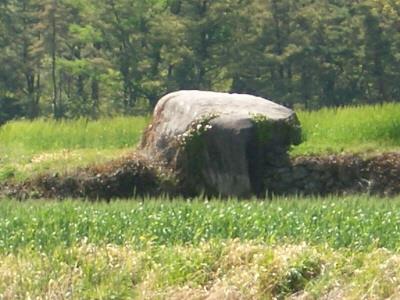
(362, 129)
(158, 249)
(28, 148)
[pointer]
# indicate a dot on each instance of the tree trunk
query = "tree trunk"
(95, 97)
(278, 36)
(54, 58)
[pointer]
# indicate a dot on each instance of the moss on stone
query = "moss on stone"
(263, 129)
(193, 148)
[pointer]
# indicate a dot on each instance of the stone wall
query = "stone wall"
(335, 174)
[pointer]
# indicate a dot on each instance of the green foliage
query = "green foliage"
(263, 129)
(156, 249)
(195, 131)
(193, 145)
(7, 172)
(68, 58)
(9, 109)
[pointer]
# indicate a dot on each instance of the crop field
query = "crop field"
(160, 248)
(354, 222)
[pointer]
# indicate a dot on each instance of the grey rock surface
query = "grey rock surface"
(219, 143)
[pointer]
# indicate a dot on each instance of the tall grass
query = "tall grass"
(45, 135)
(353, 222)
(355, 129)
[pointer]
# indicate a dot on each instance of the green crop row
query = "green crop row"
(353, 222)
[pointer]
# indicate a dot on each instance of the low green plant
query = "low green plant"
(192, 145)
(262, 127)
(7, 172)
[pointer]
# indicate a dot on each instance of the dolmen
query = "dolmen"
(220, 143)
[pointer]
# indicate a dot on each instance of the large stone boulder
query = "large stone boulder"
(219, 143)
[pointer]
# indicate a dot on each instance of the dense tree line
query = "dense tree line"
(70, 58)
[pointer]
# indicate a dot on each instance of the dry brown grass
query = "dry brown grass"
(230, 270)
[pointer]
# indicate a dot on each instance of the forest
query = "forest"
(95, 58)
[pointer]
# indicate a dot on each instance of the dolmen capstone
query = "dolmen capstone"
(219, 143)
